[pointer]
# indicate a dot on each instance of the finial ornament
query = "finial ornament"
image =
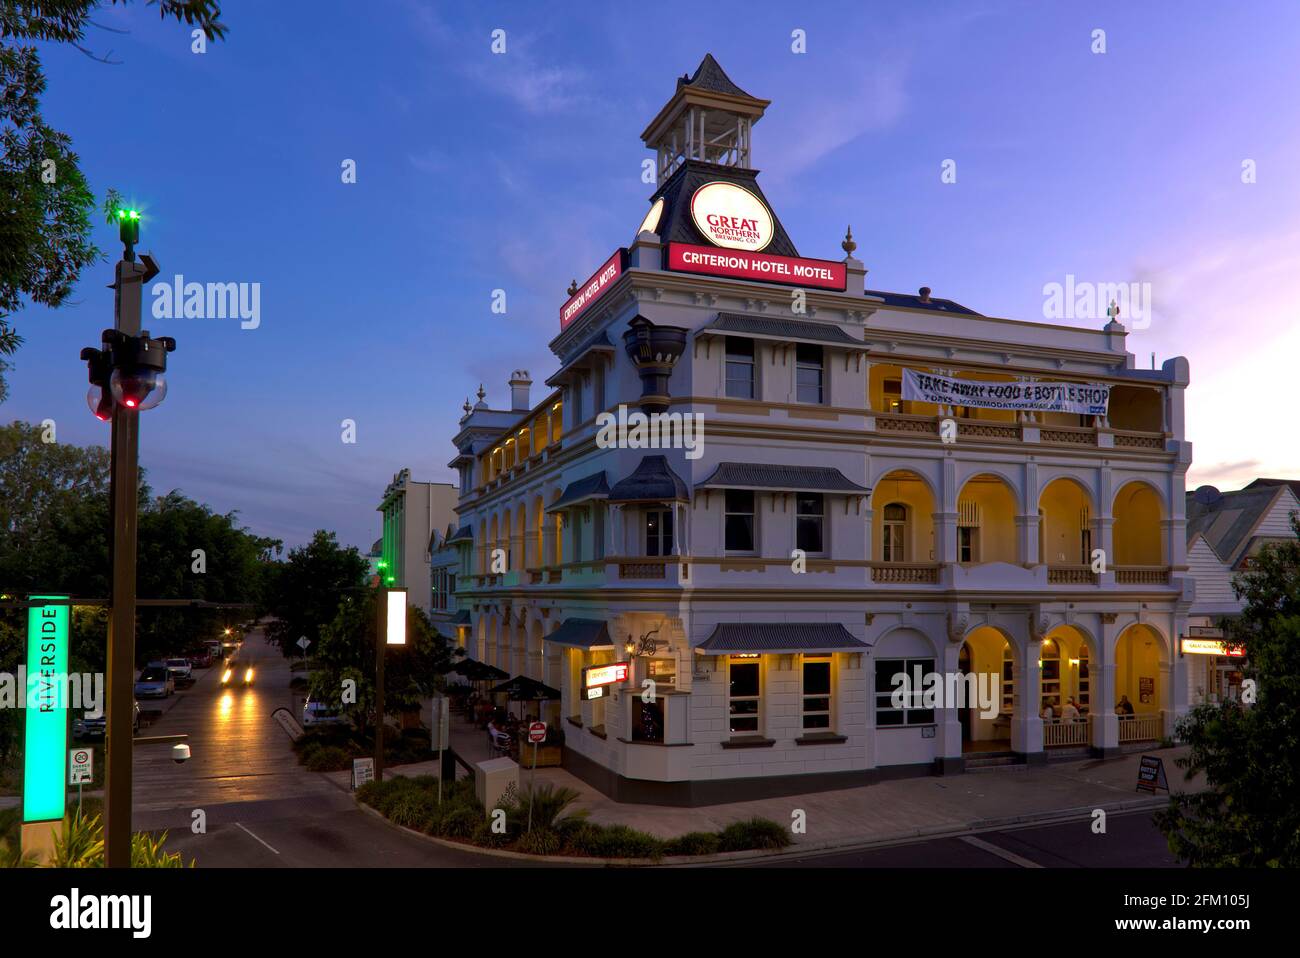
(573, 287)
(467, 407)
(481, 392)
(848, 245)
(1113, 311)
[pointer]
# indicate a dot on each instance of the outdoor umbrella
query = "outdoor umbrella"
(523, 689)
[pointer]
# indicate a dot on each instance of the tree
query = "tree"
(45, 201)
(303, 594)
(1249, 815)
(346, 650)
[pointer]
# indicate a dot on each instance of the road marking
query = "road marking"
(239, 825)
(1000, 852)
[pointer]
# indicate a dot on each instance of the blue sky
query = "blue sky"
(521, 171)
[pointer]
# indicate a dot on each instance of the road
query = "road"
(1131, 841)
(262, 808)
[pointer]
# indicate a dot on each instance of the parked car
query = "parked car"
(237, 673)
(86, 727)
(180, 669)
(200, 658)
(154, 682)
(213, 646)
(315, 712)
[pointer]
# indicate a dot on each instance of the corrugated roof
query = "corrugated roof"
(582, 634)
(653, 480)
(463, 534)
(593, 486)
(1227, 522)
(742, 324)
(754, 475)
(913, 301)
(780, 638)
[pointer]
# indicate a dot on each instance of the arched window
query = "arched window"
(894, 533)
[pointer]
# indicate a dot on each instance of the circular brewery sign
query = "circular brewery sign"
(731, 216)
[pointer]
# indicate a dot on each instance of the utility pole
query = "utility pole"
(381, 634)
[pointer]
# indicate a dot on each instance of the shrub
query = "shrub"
(459, 821)
(540, 841)
(483, 835)
(327, 758)
(694, 843)
(614, 841)
(413, 808)
(753, 833)
(548, 803)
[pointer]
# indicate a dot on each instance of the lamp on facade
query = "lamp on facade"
(644, 646)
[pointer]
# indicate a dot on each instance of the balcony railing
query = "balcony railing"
(988, 430)
(1068, 435)
(647, 569)
(1140, 728)
(1071, 575)
(1142, 575)
(915, 573)
(1139, 440)
(1060, 732)
(896, 423)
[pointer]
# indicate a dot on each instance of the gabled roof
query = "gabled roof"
(1228, 522)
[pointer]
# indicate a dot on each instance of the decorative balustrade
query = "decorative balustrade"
(1141, 575)
(905, 572)
(988, 430)
(1145, 727)
(1068, 435)
(1140, 440)
(1058, 732)
(1071, 575)
(643, 570)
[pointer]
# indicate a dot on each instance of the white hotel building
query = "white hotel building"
(962, 551)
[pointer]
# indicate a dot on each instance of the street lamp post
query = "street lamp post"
(126, 376)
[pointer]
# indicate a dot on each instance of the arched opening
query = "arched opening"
(986, 521)
(1065, 524)
(986, 721)
(504, 545)
(521, 537)
(494, 543)
(539, 526)
(1138, 513)
(902, 500)
(1140, 684)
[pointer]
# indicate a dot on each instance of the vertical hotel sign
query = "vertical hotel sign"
(46, 712)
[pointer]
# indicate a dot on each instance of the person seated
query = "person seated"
(1047, 713)
(1071, 711)
(1125, 708)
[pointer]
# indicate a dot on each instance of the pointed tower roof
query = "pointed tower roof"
(709, 75)
(710, 90)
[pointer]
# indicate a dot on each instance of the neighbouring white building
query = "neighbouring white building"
(1225, 531)
(887, 483)
(411, 512)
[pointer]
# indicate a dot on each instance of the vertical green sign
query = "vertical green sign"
(47, 711)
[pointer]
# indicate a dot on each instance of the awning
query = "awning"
(461, 618)
(523, 689)
(590, 634)
(652, 481)
(780, 638)
(463, 534)
(580, 357)
(753, 475)
(581, 490)
(782, 330)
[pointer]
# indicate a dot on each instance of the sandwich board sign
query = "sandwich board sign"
(363, 770)
(1151, 775)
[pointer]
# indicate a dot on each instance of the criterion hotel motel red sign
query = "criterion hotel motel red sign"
(766, 267)
(593, 288)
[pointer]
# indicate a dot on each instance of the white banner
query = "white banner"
(1087, 399)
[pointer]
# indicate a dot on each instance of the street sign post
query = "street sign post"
(303, 642)
(363, 770)
(81, 769)
(536, 735)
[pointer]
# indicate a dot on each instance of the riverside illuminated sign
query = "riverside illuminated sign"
(46, 736)
(766, 267)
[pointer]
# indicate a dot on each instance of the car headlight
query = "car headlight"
(225, 677)
(248, 676)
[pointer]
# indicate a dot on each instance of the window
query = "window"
(598, 390)
(809, 521)
(894, 535)
(1050, 660)
(1085, 536)
(743, 697)
(1084, 681)
(659, 532)
(911, 714)
(739, 521)
(893, 395)
(968, 531)
(808, 373)
(740, 368)
(1008, 681)
(598, 531)
(817, 693)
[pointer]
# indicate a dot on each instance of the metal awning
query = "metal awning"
(754, 475)
(461, 618)
(780, 638)
(781, 330)
(653, 480)
(581, 490)
(463, 534)
(590, 634)
(580, 358)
